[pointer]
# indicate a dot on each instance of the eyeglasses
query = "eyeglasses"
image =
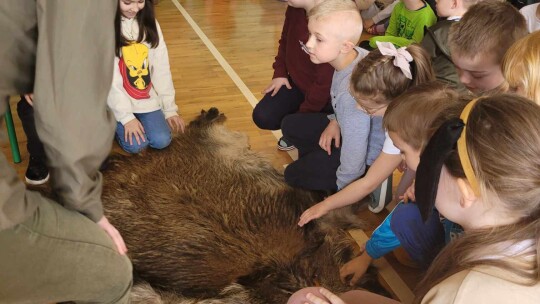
(304, 47)
(368, 110)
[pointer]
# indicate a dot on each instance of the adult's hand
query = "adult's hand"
(114, 234)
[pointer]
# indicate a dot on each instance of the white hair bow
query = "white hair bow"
(402, 57)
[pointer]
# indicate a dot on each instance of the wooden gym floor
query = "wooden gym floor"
(221, 54)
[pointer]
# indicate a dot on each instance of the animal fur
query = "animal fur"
(209, 221)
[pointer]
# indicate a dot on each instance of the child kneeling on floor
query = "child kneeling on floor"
(142, 92)
(334, 150)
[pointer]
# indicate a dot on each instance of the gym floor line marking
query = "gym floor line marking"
(224, 64)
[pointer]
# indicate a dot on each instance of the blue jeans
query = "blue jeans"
(157, 133)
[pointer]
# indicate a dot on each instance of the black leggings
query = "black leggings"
(270, 111)
(314, 169)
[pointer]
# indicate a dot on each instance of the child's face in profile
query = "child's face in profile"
(130, 8)
(444, 7)
(480, 73)
(324, 43)
(410, 155)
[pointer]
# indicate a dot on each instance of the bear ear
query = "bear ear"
(214, 116)
(441, 144)
(213, 112)
(207, 118)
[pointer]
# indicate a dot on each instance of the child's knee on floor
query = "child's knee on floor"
(160, 140)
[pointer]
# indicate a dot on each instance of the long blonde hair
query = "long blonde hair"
(503, 143)
(521, 66)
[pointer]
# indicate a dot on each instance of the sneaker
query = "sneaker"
(37, 172)
(282, 145)
(381, 196)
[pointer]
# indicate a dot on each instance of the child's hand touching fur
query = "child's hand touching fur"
(356, 267)
(315, 212)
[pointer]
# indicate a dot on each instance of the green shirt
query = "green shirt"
(406, 26)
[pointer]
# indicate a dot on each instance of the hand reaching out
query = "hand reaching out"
(176, 123)
(356, 267)
(332, 132)
(114, 234)
(134, 128)
(315, 212)
(276, 84)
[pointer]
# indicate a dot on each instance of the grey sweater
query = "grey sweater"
(362, 136)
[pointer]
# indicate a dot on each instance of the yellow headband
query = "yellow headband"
(462, 149)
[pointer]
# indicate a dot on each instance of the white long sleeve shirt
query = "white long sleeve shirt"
(142, 80)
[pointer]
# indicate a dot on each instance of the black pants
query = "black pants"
(33, 144)
(314, 169)
(270, 111)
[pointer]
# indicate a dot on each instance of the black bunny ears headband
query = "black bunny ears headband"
(442, 143)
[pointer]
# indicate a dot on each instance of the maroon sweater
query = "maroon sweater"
(313, 80)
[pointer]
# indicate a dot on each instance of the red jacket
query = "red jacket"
(313, 80)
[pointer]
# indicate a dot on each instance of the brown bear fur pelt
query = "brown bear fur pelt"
(207, 220)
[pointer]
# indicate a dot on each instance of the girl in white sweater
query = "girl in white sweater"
(142, 95)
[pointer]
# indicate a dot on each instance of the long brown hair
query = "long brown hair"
(416, 114)
(503, 143)
(376, 77)
(147, 27)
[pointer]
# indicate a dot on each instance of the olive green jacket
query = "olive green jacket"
(435, 42)
(68, 66)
